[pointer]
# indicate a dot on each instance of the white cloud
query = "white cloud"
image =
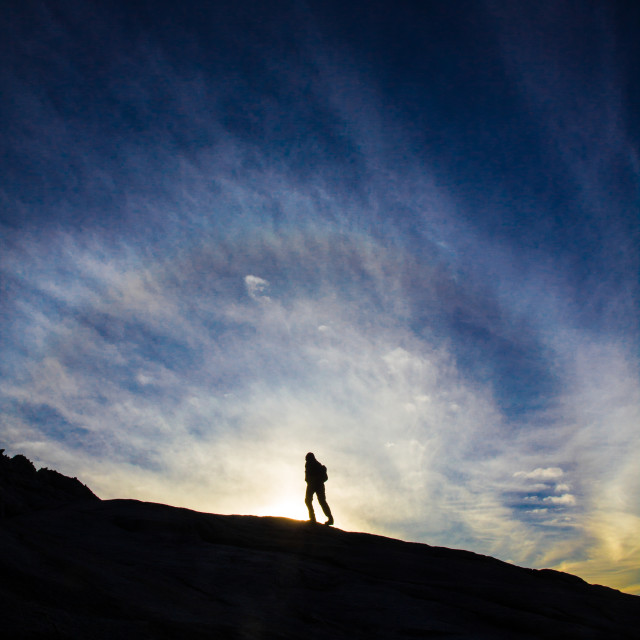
(565, 499)
(549, 473)
(256, 287)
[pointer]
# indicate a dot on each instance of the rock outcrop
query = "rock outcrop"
(127, 569)
(24, 489)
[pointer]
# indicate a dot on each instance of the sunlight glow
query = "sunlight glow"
(287, 507)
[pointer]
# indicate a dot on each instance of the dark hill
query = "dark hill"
(85, 568)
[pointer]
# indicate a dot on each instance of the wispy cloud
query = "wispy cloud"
(202, 395)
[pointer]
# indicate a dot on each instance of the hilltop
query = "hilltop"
(75, 566)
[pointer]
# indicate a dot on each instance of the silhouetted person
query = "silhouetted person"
(315, 475)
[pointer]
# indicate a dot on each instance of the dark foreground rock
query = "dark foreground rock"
(128, 569)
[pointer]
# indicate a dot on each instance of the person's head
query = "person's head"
(309, 456)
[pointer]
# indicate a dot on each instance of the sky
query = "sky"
(401, 235)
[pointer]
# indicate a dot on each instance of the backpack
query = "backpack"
(323, 475)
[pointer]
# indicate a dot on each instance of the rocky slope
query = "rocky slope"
(74, 566)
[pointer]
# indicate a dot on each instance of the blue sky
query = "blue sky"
(401, 235)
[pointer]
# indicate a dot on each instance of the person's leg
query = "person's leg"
(322, 499)
(308, 500)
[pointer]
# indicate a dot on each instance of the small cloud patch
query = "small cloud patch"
(256, 287)
(549, 473)
(566, 499)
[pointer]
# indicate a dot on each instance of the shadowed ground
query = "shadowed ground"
(128, 569)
